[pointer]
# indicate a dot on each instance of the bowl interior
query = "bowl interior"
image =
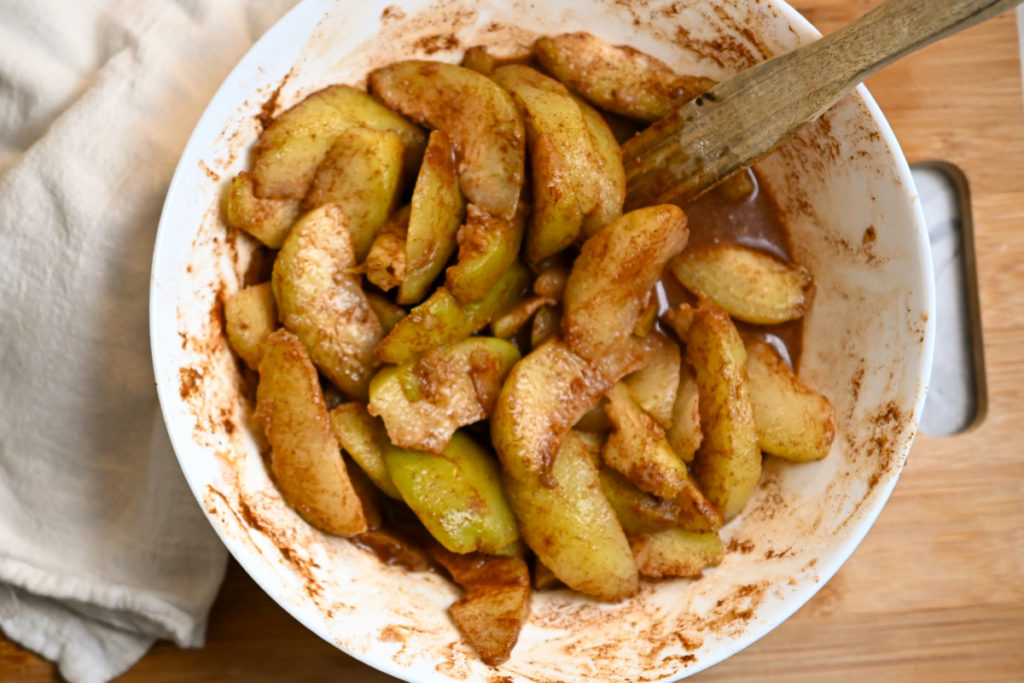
(854, 218)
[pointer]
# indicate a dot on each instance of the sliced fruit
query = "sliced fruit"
(268, 220)
(654, 386)
(289, 150)
(363, 437)
(572, 528)
(638, 511)
(563, 161)
(442, 320)
(361, 174)
(685, 435)
(793, 421)
(750, 285)
(728, 464)
(435, 214)
(637, 449)
(322, 301)
(478, 117)
(620, 79)
(250, 315)
(305, 458)
(457, 495)
(385, 263)
(676, 552)
(610, 178)
(487, 247)
(423, 402)
(496, 602)
(546, 393)
(611, 281)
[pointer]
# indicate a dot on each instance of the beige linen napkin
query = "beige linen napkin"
(103, 550)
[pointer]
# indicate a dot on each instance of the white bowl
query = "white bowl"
(850, 202)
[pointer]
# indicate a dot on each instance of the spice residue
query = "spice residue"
(190, 378)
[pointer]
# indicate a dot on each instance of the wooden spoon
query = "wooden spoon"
(742, 119)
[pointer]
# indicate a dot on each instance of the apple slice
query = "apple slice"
(268, 220)
(676, 552)
(610, 178)
(496, 603)
(476, 114)
(611, 281)
(638, 449)
(563, 160)
(362, 436)
(385, 262)
(572, 528)
(750, 285)
(793, 421)
(290, 149)
(618, 78)
(435, 213)
(362, 174)
(728, 464)
(441, 319)
(488, 246)
(654, 387)
(322, 302)
(423, 402)
(685, 433)
(250, 315)
(305, 457)
(457, 494)
(545, 394)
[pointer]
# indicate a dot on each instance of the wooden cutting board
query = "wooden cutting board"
(936, 591)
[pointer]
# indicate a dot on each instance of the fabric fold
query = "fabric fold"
(103, 548)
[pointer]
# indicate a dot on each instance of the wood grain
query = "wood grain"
(745, 117)
(936, 590)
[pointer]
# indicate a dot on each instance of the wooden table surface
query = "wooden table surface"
(936, 590)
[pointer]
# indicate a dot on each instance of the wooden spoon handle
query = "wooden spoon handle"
(742, 119)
